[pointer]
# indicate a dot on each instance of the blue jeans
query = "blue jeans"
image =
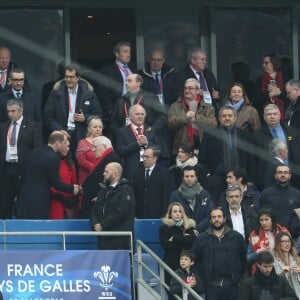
(230, 292)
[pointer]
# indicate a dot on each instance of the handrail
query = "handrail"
(68, 233)
(186, 290)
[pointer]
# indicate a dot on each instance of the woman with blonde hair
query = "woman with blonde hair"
(176, 234)
(84, 154)
(287, 261)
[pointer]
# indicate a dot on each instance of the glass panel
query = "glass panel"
(35, 38)
(174, 34)
(247, 34)
(94, 32)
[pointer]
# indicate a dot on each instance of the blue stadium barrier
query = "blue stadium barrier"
(49, 242)
(146, 230)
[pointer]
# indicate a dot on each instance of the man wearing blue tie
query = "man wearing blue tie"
(274, 129)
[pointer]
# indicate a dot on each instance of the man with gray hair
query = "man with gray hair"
(156, 116)
(196, 68)
(105, 154)
(279, 155)
(159, 77)
(189, 116)
(292, 113)
(274, 129)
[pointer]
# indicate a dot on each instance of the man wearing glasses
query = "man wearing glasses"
(158, 77)
(70, 103)
(19, 90)
(189, 116)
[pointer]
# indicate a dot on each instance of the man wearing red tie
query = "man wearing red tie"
(132, 140)
(17, 137)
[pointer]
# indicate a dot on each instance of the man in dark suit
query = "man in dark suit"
(132, 140)
(223, 148)
(152, 186)
(262, 137)
(6, 65)
(113, 85)
(41, 172)
(18, 90)
(159, 77)
(196, 68)
(14, 147)
(69, 105)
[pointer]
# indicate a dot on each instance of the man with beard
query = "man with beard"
(265, 284)
(240, 218)
(282, 197)
(221, 258)
(195, 200)
(224, 148)
(114, 208)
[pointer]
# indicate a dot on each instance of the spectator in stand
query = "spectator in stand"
(195, 200)
(282, 197)
(70, 103)
(6, 65)
(238, 177)
(104, 154)
(223, 148)
(287, 261)
(263, 237)
(185, 157)
(113, 209)
(187, 274)
(238, 217)
(270, 85)
(247, 116)
(65, 205)
(113, 83)
(265, 284)
(151, 186)
(158, 77)
(221, 258)
(17, 89)
(261, 138)
(189, 116)
(196, 68)
(84, 153)
(175, 234)
(240, 72)
(279, 154)
(292, 113)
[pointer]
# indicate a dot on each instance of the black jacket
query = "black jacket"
(251, 289)
(283, 201)
(114, 210)
(202, 207)
(261, 140)
(205, 254)
(56, 111)
(168, 80)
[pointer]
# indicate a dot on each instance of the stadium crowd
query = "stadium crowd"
(222, 171)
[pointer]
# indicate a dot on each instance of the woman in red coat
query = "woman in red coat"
(64, 205)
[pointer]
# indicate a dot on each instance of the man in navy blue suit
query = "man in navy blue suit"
(41, 172)
(19, 90)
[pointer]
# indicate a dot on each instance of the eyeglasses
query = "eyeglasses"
(283, 172)
(189, 88)
(17, 79)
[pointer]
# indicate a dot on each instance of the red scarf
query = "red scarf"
(191, 132)
(264, 89)
(263, 240)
